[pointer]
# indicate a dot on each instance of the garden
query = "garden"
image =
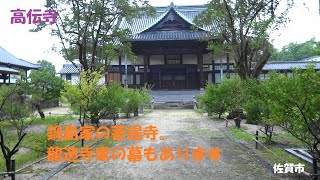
(24, 120)
(282, 111)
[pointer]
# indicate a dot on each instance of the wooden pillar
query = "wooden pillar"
(134, 77)
(9, 78)
(4, 78)
(120, 69)
(200, 65)
(145, 68)
(213, 72)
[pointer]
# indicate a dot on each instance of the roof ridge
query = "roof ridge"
(197, 5)
(13, 60)
(173, 8)
(298, 61)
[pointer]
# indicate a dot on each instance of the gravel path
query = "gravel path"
(180, 128)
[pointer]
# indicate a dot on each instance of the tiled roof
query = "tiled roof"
(287, 65)
(169, 35)
(137, 26)
(8, 70)
(70, 69)
(313, 58)
(8, 59)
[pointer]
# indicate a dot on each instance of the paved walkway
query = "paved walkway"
(180, 128)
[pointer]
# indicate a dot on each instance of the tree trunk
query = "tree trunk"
(6, 152)
(8, 163)
(136, 112)
(38, 106)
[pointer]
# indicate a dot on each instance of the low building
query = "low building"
(71, 73)
(286, 67)
(11, 67)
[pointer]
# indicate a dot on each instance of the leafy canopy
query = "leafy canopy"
(296, 102)
(297, 51)
(89, 32)
(242, 28)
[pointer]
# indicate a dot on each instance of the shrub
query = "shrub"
(132, 101)
(220, 98)
(295, 105)
(253, 111)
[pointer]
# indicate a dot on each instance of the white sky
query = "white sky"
(15, 38)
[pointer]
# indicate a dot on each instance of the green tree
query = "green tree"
(85, 96)
(257, 106)
(94, 100)
(13, 108)
(88, 30)
(295, 105)
(243, 27)
(48, 66)
(295, 51)
(43, 85)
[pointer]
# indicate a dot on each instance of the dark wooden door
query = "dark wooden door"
(173, 77)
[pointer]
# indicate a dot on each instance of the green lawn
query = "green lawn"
(276, 148)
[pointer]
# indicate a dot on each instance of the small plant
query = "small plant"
(132, 101)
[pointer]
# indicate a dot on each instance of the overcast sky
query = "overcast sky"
(15, 38)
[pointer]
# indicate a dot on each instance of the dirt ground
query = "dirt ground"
(180, 128)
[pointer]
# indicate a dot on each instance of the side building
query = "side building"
(71, 73)
(286, 67)
(11, 67)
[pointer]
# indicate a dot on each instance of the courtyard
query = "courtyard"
(180, 128)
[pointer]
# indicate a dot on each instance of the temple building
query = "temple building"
(11, 67)
(170, 54)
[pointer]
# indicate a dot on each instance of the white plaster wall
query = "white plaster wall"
(75, 79)
(13, 78)
(189, 59)
(63, 76)
(123, 61)
(102, 81)
(223, 58)
(114, 62)
(140, 60)
(156, 59)
(219, 59)
(207, 59)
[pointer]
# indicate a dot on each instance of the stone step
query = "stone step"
(173, 105)
(174, 96)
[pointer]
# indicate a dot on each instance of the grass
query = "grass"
(286, 137)
(52, 120)
(37, 143)
(278, 151)
(241, 135)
